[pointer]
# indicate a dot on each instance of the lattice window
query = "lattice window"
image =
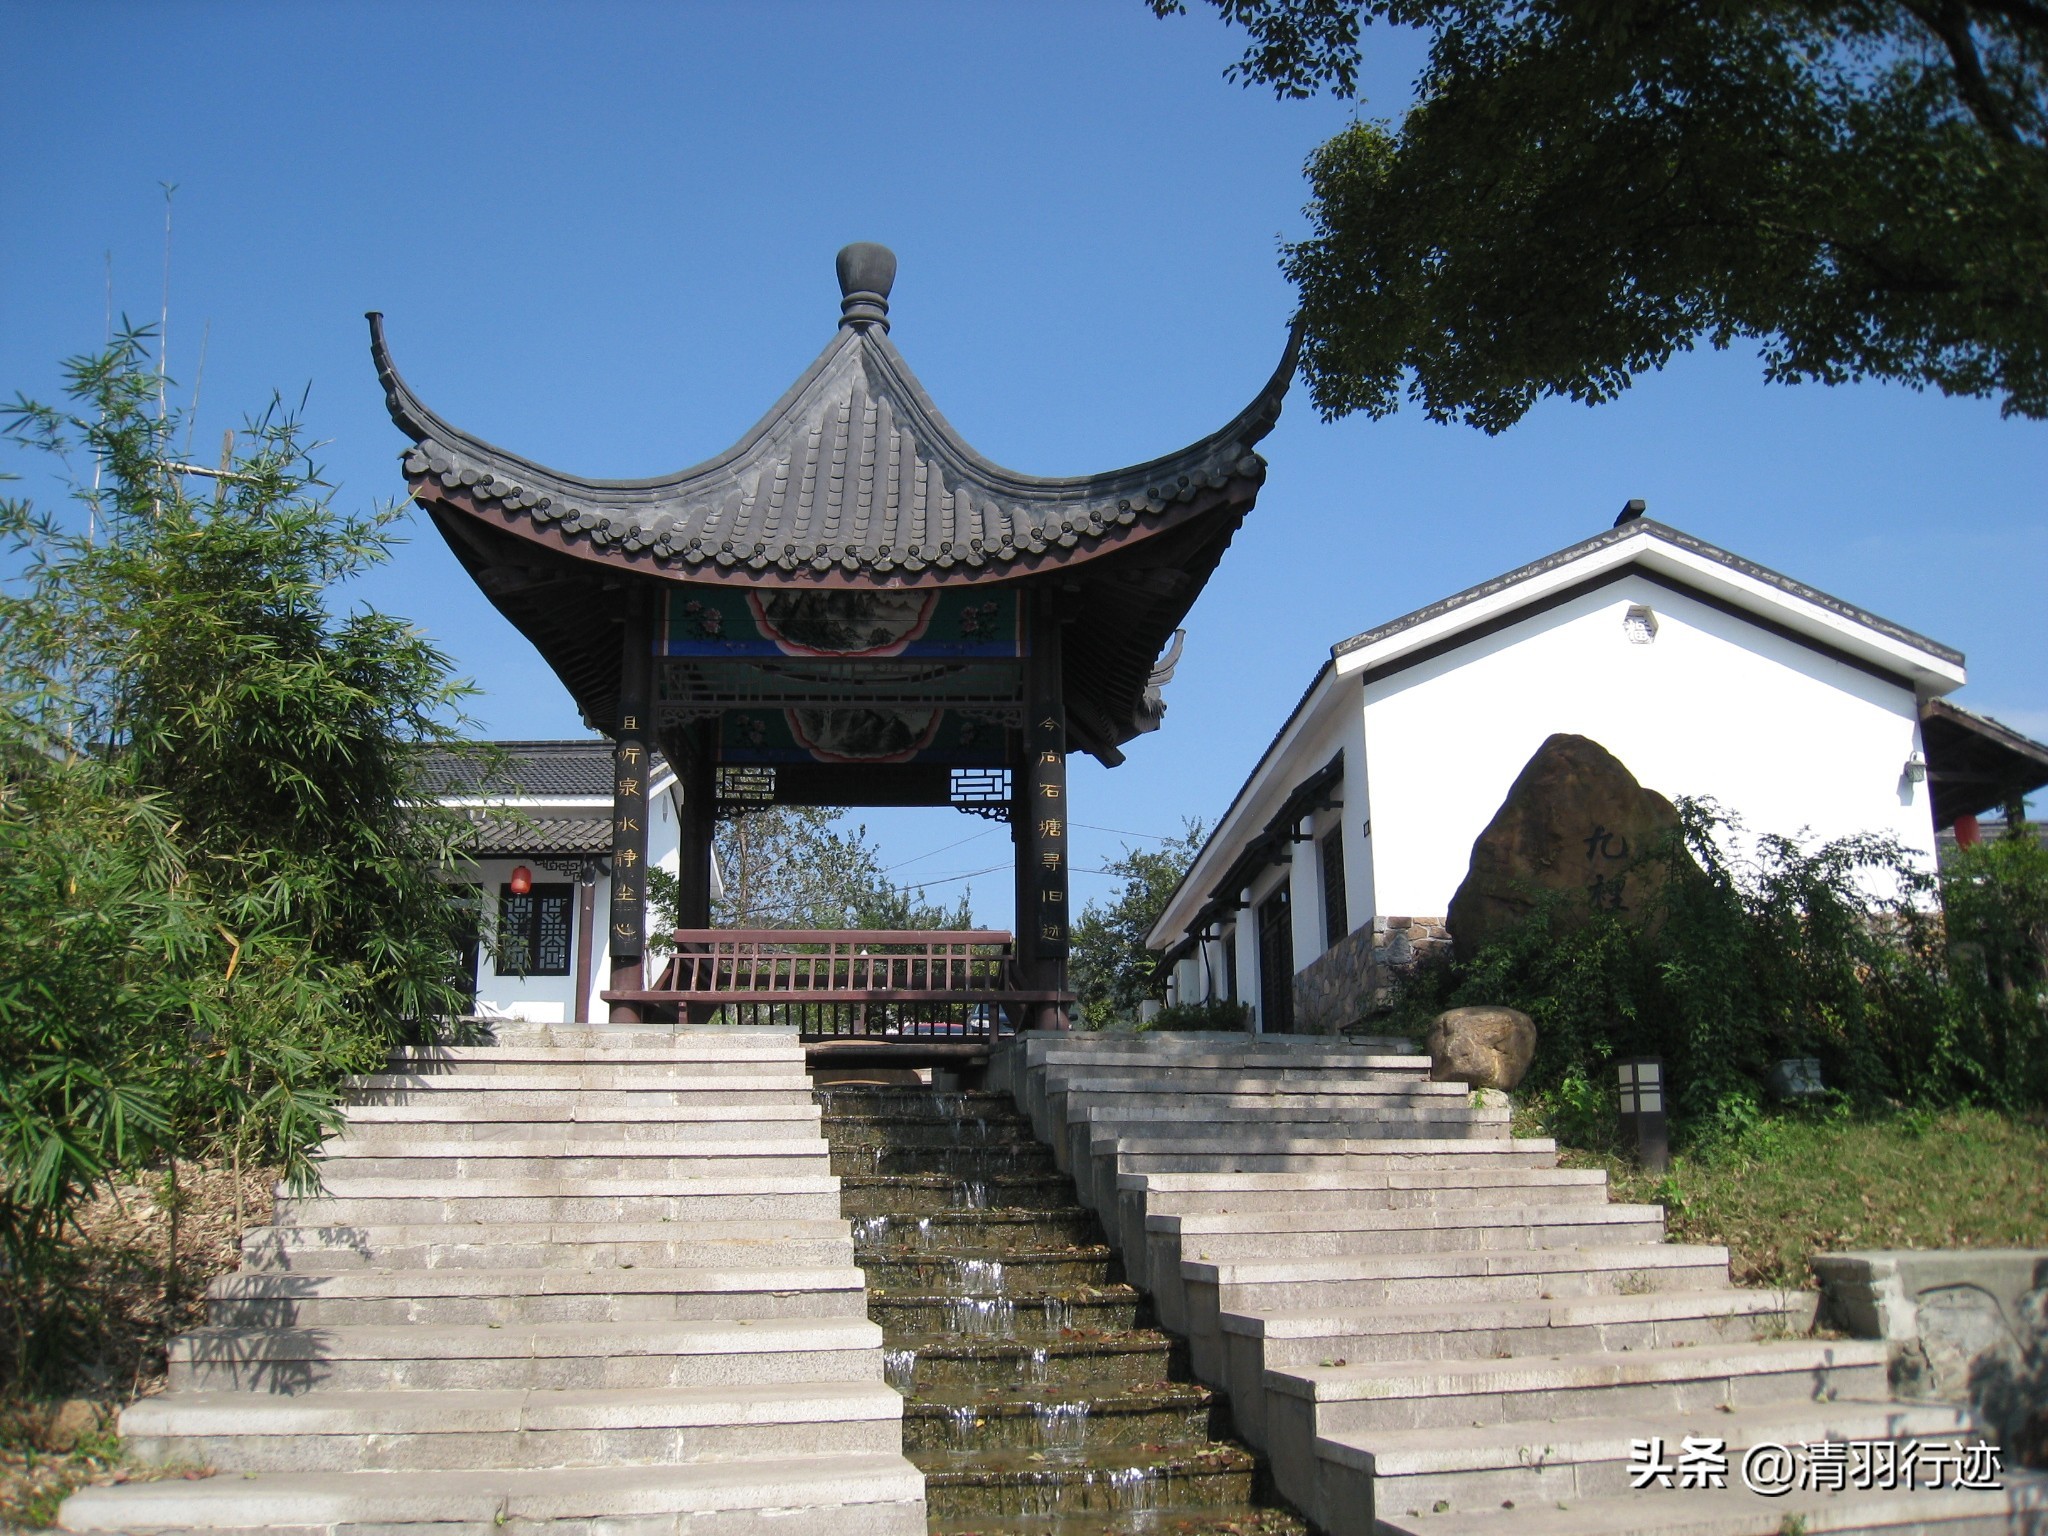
(533, 930)
(745, 787)
(982, 792)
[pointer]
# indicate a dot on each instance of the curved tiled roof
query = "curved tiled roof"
(504, 837)
(853, 476)
(581, 768)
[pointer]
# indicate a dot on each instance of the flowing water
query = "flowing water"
(1040, 1400)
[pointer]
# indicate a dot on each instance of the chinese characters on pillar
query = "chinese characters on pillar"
(629, 839)
(1044, 810)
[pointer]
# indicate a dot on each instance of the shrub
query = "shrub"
(220, 881)
(1215, 1014)
(1837, 951)
(1994, 1030)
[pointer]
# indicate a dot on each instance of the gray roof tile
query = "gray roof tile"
(580, 769)
(853, 471)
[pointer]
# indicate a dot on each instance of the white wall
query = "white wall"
(542, 999)
(1783, 736)
(552, 999)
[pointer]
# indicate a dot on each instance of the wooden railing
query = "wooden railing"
(835, 983)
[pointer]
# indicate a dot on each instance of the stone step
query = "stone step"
(596, 1075)
(1055, 1370)
(1250, 1235)
(1242, 1347)
(1476, 1470)
(1157, 1415)
(1736, 1511)
(1060, 1065)
(1361, 1118)
(1220, 1089)
(1383, 1187)
(1099, 1157)
(997, 1486)
(369, 1202)
(400, 1431)
(547, 1089)
(603, 1032)
(339, 1247)
(1340, 1400)
(976, 1163)
(559, 1160)
(1456, 1278)
(711, 1056)
(1482, 1189)
(1515, 1329)
(387, 1297)
(1342, 1190)
(874, 1495)
(588, 1070)
(1032, 1317)
(962, 1271)
(1244, 1150)
(921, 1105)
(541, 1356)
(915, 1194)
(1187, 1299)
(463, 1118)
(911, 1131)
(890, 1236)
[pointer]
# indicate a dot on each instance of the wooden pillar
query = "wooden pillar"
(586, 936)
(632, 755)
(697, 772)
(1040, 812)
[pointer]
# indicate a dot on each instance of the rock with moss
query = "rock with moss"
(1486, 1047)
(1571, 839)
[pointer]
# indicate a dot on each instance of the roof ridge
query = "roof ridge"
(1678, 538)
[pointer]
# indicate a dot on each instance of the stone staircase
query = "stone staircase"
(588, 1279)
(1041, 1399)
(1429, 1327)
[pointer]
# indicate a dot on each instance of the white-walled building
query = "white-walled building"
(1707, 675)
(543, 954)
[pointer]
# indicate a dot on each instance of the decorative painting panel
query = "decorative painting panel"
(841, 625)
(853, 734)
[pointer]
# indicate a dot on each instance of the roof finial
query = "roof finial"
(866, 273)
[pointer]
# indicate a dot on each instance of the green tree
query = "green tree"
(1579, 191)
(220, 888)
(1994, 900)
(802, 866)
(1111, 969)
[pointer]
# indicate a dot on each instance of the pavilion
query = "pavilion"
(849, 606)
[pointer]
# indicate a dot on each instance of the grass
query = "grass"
(35, 1481)
(1776, 1188)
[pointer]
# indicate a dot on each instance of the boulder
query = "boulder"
(68, 1423)
(1576, 823)
(1486, 1047)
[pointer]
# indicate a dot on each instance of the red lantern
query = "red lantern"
(522, 880)
(1967, 835)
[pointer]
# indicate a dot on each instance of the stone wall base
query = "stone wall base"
(1352, 980)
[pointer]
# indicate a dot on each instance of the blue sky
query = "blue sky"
(603, 237)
